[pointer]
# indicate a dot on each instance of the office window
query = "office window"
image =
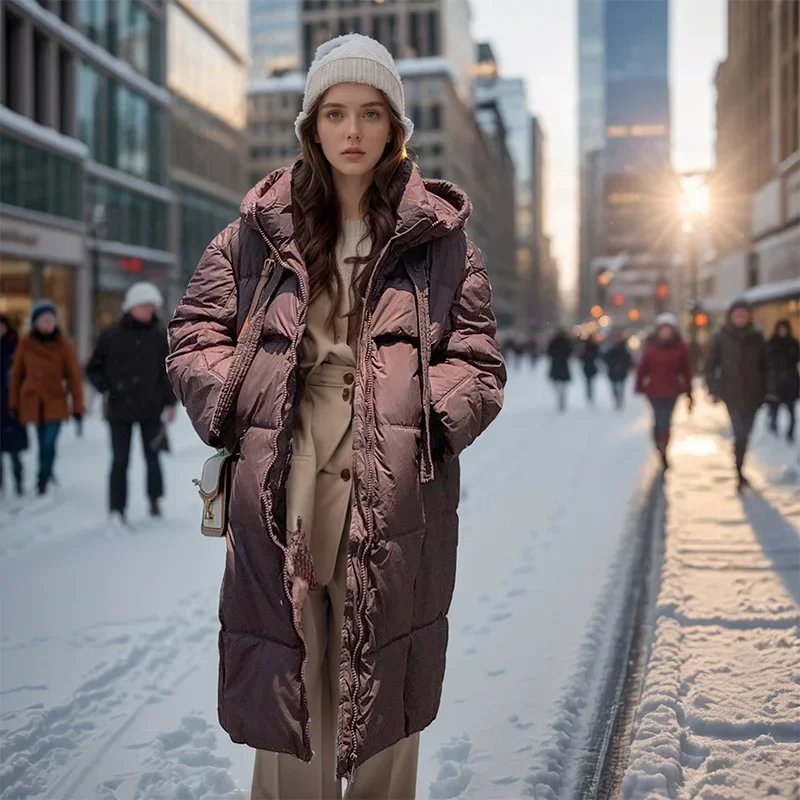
(39, 180)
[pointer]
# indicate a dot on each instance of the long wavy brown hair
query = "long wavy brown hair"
(317, 213)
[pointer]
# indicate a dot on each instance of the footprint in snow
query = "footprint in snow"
(484, 598)
(500, 616)
(495, 673)
(515, 592)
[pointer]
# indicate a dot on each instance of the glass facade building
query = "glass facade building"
(274, 37)
(83, 154)
(624, 131)
(207, 75)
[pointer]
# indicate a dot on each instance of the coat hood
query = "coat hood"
(428, 208)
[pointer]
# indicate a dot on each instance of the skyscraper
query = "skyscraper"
(627, 189)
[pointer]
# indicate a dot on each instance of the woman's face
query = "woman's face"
(46, 323)
(665, 333)
(783, 330)
(353, 128)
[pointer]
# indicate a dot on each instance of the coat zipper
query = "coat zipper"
(266, 505)
(360, 602)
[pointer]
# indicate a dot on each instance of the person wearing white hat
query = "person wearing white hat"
(365, 369)
(128, 368)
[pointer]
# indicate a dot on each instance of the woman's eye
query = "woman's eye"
(372, 115)
(334, 115)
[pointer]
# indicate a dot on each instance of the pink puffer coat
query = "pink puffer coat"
(419, 401)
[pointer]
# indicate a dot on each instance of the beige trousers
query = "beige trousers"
(392, 774)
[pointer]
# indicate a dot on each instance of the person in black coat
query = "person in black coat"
(783, 379)
(590, 354)
(736, 373)
(618, 364)
(13, 436)
(128, 368)
(560, 350)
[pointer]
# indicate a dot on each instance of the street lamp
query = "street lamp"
(694, 207)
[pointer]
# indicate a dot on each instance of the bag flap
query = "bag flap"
(212, 475)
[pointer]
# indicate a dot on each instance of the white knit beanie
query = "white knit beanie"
(667, 318)
(142, 293)
(354, 58)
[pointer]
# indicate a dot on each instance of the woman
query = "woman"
(377, 366)
(560, 350)
(13, 437)
(590, 353)
(618, 363)
(664, 374)
(45, 371)
(783, 379)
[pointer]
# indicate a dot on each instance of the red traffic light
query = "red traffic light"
(619, 299)
(662, 290)
(701, 320)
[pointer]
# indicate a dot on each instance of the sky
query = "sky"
(537, 39)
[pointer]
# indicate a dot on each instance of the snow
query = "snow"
(719, 716)
(108, 683)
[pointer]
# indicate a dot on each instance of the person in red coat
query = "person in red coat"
(664, 374)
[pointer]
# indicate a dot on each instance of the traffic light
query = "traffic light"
(619, 299)
(701, 319)
(662, 291)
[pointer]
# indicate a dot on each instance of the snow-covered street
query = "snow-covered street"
(109, 637)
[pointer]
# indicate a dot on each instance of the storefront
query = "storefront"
(116, 273)
(43, 256)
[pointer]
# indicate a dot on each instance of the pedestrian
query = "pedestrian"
(377, 366)
(618, 365)
(560, 350)
(664, 374)
(13, 436)
(128, 368)
(589, 355)
(783, 379)
(736, 373)
(44, 374)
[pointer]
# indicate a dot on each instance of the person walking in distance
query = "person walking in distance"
(618, 364)
(128, 368)
(664, 374)
(736, 373)
(45, 374)
(783, 379)
(560, 351)
(364, 370)
(13, 436)
(589, 355)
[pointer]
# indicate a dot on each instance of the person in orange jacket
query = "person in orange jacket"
(45, 372)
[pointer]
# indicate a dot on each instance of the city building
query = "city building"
(284, 34)
(274, 37)
(526, 143)
(755, 188)
(85, 204)
(447, 143)
(628, 192)
(208, 148)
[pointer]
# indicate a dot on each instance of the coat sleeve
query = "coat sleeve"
(713, 365)
(167, 395)
(96, 368)
(202, 335)
(17, 377)
(643, 371)
(74, 378)
(467, 371)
